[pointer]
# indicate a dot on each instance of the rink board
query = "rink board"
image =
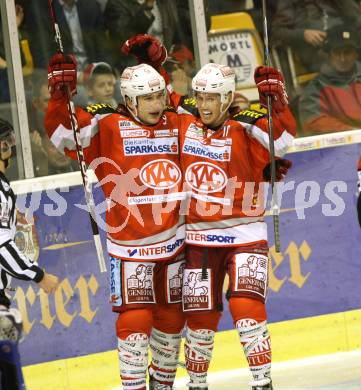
(316, 274)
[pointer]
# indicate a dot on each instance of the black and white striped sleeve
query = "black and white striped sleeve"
(16, 264)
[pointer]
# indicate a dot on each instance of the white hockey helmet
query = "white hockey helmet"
(215, 78)
(140, 80)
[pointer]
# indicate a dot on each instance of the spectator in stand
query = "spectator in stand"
(46, 158)
(303, 26)
(181, 69)
(24, 52)
(168, 20)
(217, 7)
(332, 101)
(99, 81)
(4, 81)
(82, 28)
(185, 58)
(102, 3)
(125, 18)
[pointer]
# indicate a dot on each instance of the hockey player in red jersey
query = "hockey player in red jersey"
(223, 159)
(134, 153)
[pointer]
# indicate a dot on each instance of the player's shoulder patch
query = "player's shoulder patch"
(100, 108)
(189, 104)
(249, 116)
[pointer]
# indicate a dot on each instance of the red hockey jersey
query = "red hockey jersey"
(223, 172)
(138, 169)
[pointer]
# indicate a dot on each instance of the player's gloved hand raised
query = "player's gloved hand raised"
(282, 167)
(147, 49)
(11, 325)
(61, 74)
(270, 81)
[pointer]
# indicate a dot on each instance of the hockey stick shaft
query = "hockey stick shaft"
(275, 210)
(79, 152)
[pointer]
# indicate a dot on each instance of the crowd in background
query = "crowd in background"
(320, 37)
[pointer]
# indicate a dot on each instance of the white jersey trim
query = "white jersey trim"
(224, 223)
(148, 199)
(156, 238)
(282, 143)
(149, 249)
(212, 199)
(64, 138)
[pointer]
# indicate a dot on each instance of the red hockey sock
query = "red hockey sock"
(208, 320)
(169, 318)
(247, 308)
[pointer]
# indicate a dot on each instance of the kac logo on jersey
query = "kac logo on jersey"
(160, 174)
(206, 177)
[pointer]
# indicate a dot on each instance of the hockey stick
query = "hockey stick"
(79, 151)
(275, 209)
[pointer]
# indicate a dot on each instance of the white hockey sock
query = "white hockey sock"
(198, 353)
(256, 344)
(165, 352)
(133, 361)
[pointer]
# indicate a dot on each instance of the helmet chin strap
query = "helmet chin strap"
(135, 112)
(223, 112)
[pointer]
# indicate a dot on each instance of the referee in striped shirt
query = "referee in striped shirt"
(13, 263)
